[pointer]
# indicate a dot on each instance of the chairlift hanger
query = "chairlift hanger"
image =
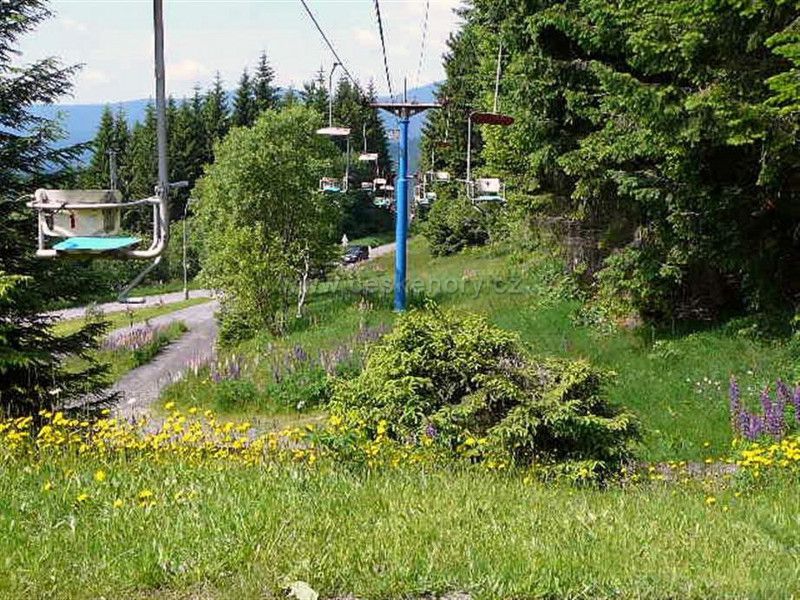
(89, 220)
(326, 184)
(366, 156)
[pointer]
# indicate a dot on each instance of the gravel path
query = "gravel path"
(378, 251)
(141, 387)
(111, 307)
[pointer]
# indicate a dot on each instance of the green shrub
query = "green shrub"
(454, 224)
(233, 394)
(301, 389)
(460, 380)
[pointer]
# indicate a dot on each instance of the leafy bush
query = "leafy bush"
(234, 394)
(263, 225)
(301, 389)
(454, 224)
(457, 380)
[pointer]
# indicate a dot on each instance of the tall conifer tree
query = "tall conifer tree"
(266, 94)
(32, 371)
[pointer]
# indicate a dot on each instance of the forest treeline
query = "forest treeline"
(657, 139)
(196, 123)
(194, 126)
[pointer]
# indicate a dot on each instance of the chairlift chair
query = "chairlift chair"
(488, 190)
(330, 185)
(88, 221)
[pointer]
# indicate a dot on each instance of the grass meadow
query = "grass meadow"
(214, 531)
(129, 525)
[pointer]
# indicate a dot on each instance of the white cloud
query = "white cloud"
(366, 38)
(74, 25)
(187, 70)
(92, 75)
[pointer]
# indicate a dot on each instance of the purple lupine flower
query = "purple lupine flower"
(772, 421)
(783, 397)
(430, 430)
(134, 338)
(754, 427)
(766, 401)
(773, 415)
(229, 369)
(299, 354)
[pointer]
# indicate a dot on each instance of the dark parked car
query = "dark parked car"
(355, 254)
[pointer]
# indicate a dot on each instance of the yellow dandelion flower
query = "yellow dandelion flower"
(711, 500)
(145, 495)
(169, 406)
(82, 498)
(118, 503)
(99, 476)
(47, 486)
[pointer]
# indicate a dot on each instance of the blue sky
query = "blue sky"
(113, 40)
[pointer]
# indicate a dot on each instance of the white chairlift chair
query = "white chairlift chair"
(88, 221)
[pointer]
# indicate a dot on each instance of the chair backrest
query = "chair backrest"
(487, 186)
(329, 183)
(367, 186)
(102, 222)
(379, 182)
(442, 176)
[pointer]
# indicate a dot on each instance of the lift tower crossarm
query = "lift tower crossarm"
(404, 111)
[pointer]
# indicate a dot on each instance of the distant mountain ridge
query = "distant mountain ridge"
(80, 121)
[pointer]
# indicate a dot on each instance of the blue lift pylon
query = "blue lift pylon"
(403, 111)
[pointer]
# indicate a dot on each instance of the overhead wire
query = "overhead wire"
(424, 42)
(328, 42)
(383, 47)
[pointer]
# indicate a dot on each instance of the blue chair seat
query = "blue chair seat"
(332, 189)
(95, 245)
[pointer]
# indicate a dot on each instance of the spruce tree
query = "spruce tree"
(121, 142)
(244, 102)
(96, 175)
(215, 116)
(141, 168)
(32, 371)
(267, 96)
(290, 98)
(315, 93)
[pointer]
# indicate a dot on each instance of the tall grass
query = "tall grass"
(239, 532)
